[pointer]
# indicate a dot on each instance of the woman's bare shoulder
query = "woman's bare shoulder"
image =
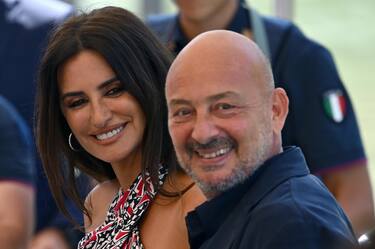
(165, 220)
(191, 199)
(191, 195)
(98, 202)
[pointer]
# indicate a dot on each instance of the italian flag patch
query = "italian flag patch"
(335, 105)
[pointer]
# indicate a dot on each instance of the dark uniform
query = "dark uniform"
(280, 206)
(24, 26)
(321, 119)
(16, 149)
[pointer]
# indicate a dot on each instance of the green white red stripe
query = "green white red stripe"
(335, 105)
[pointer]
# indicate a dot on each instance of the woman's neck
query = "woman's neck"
(126, 171)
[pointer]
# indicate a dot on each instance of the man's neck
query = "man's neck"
(220, 20)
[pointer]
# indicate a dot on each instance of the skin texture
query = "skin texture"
(351, 184)
(91, 109)
(224, 116)
(16, 214)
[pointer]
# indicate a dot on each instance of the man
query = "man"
(16, 179)
(320, 109)
(225, 118)
(24, 26)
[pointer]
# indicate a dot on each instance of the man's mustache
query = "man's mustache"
(192, 145)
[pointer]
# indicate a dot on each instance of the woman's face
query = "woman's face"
(106, 120)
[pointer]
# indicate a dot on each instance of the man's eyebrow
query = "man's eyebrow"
(227, 94)
(213, 98)
(79, 93)
(174, 102)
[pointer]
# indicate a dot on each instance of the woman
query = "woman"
(101, 109)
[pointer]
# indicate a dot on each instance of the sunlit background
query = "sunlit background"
(344, 26)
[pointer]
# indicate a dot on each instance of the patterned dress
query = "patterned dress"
(120, 229)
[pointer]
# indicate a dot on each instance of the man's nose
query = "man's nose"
(204, 129)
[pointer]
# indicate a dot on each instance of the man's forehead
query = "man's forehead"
(207, 74)
(208, 54)
(202, 96)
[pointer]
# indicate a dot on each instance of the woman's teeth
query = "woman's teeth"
(109, 134)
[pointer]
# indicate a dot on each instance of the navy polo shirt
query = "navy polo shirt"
(280, 206)
(321, 119)
(16, 150)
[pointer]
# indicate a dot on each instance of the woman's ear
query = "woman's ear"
(280, 109)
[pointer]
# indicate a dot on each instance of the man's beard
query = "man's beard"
(244, 169)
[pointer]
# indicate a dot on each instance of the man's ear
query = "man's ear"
(280, 109)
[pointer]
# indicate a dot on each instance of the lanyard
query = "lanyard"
(259, 31)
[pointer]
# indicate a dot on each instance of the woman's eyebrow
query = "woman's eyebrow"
(79, 93)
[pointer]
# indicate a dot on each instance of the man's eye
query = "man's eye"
(182, 113)
(225, 110)
(77, 103)
(114, 92)
(224, 106)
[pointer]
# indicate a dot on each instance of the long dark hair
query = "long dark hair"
(139, 61)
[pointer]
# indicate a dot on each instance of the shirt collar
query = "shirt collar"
(206, 219)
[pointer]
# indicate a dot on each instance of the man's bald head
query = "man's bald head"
(223, 50)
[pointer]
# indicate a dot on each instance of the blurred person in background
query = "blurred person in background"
(321, 119)
(24, 25)
(17, 173)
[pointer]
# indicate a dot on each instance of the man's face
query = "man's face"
(202, 10)
(220, 123)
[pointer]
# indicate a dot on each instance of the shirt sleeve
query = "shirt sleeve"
(321, 118)
(16, 153)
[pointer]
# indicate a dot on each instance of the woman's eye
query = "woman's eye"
(77, 103)
(114, 92)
